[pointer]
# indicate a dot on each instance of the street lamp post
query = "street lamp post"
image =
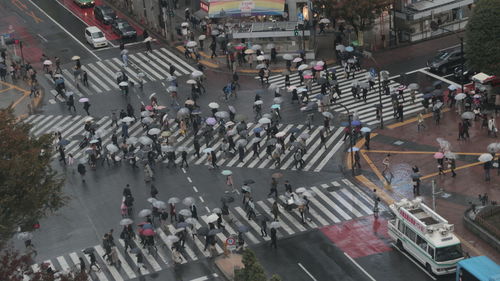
(351, 140)
(380, 101)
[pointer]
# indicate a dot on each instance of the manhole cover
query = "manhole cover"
(399, 142)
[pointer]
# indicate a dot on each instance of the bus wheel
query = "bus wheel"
(399, 244)
(428, 268)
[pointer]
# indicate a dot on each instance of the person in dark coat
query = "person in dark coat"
(71, 103)
(194, 211)
(274, 238)
(82, 170)
(367, 140)
(86, 106)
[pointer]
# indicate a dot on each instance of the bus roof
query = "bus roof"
(482, 268)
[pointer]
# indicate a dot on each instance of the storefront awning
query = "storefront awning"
(245, 8)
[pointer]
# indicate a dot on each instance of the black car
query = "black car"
(124, 29)
(467, 73)
(445, 61)
(104, 14)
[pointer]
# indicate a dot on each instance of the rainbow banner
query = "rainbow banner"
(245, 8)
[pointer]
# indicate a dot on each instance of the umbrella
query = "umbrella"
(287, 57)
(241, 142)
(185, 212)
(356, 123)
(215, 32)
(242, 228)
(83, 100)
(271, 142)
(256, 47)
(270, 46)
(213, 105)
(159, 204)
(273, 86)
(452, 87)
(460, 96)
(208, 150)
(184, 24)
(148, 39)
(171, 78)
(214, 231)
(173, 200)
(309, 193)
(202, 37)
(278, 100)
(340, 48)
(128, 119)
(144, 213)
(304, 135)
(145, 140)
(154, 131)
(428, 95)
(57, 76)
(264, 121)
(211, 121)
(188, 201)
(280, 134)
(183, 224)
(246, 188)
(415, 176)
(328, 115)
(229, 124)
(437, 105)
(64, 142)
(299, 201)
(468, 115)
(413, 86)
(126, 221)
(189, 102)
(275, 224)
(203, 231)
(172, 239)
(191, 44)
(349, 49)
(212, 218)
(261, 57)
(24, 236)
(300, 190)
(297, 59)
(227, 172)
(182, 148)
(123, 84)
(217, 211)
(249, 51)
(303, 67)
(353, 149)
(146, 113)
(222, 114)
(308, 76)
(257, 130)
(248, 181)
(191, 82)
(324, 20)
(260, 66)
(275, 106)
(258, 102)
(183, 111)
(75, 58)
(92, 141)
(112, 148)
(148, 232)
(485, 157)
(366, 130)
(318, 67)
(167, 148)
(438, 155)
(277, 175)
(450, 155)
(192, 221)
(196, 74)
(47, 62)
(88, 250)
(493, 147)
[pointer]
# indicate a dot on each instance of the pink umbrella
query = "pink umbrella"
(438, 155)
(308, 76)
(148, 232)
(401, 88)
(161, 107)
(149, 107)
(318, 67)
(239, 47)
(211, 121)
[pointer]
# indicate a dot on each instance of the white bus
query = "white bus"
(425, 235)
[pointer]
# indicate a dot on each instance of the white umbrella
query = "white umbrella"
(217, 211)
(273, 86)
(174, 200)
(83, 100)
(146, 113)
(258, 102)
(297, 59)
(191, 82)
(159, 204)
(485, 157)
(264, 121)
(249, 51)
(88, 119)
(460, 96)
(148, 39)
(185, 213)
(132, 140)
(261, 57)
(126, 221)
(75, 58)
(191, 44)
(154, 131)
(144, 213)
(213, 105)
(208, 150)
(127, 119)
(172, 239)
(256, 47)
(340, 48)
(275, 224)
(324, 20)
(452, 87)
(270, 46)
(320, 63)
(287, 57)
(202, 37)
(196, 74)
(172, 89)
(260, 66)
(145, 140)
(47, 62)
(184, 24)
(366, 130)
(112, 148)
(188, 201)
(300, 190)
(212, 218)
(493, 147)
(123, 84)
(171, 78)
(413, 86)
(280, 134)
(303, 67)
(24, 235)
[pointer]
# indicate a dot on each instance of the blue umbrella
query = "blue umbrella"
(257, 130)
(332, 69)
(294, 130)
(274, 106)
(243, 228)
(349, 49)
(59, 81)
(147, 226)
(427, 96)
(356, 123)
(63, 142)
(319, 96)
(353, 149)
(344, 124)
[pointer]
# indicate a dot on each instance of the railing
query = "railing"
(482, 220)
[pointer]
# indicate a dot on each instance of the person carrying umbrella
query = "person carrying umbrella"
(71, 103)
(274, 188)
(250, 209)
(93, 261)
(274, 238)
(81, 170)
(173, 213)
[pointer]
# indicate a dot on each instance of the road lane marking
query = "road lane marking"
(65, 30)
(439, 77)
(416, 263)
(360, 268)
(206, 277)
(43, 38)
(307, 272)
(195, 189)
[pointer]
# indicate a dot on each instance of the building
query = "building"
(412, 18)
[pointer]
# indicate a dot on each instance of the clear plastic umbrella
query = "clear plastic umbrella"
(144, 213)
(173, 200)
(145, 140)
(188, 201)
(126, 221)
(185, 213)
(112, 148)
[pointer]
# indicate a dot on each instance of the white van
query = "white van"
(95, 37)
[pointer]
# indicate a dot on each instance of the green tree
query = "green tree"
(253, 270)
(275, 278)
(358, 13)
(482, 43)
(29, 188)
(13, 266)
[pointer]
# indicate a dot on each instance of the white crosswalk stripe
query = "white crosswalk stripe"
(316, 157)
(365, 111)
(102, 74)
(343, 198)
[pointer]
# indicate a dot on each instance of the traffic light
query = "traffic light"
(296, 32)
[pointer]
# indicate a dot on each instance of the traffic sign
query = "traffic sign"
(373, 72)
(230, 241)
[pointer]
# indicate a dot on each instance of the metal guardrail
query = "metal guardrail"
(482, 220)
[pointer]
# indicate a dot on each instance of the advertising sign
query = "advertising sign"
(243, 8)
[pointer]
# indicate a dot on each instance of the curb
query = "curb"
(32, 105)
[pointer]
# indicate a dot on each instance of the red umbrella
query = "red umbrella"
(239, 47)
(148, 232)
(149, 107)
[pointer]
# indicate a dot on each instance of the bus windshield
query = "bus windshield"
(449, 253)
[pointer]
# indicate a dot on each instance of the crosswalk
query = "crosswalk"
(102, 74)
(365, 111)
(316, 157)
(333, 202)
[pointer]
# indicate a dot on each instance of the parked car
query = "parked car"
(468, 73)
(445, 61)
(104, 14)
(122, 28)
(95, 37)
(84, 3)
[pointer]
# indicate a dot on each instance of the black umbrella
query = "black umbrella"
(243, 228)
(322, 81)
(88, 250)
(226, 198)
(428, 89)
(202, 231)
(214, 231)
(437, 93)
(135, 250)
(248, 181)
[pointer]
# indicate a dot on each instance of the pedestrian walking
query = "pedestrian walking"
(487, 167)
(86, 106)
(184, 159)
(367, 140)
(274, 188)
(492, 127)
(375, 207)
(82, 170)
(274, 238)
(275, 210)
(82, 265)
(263, 227)
(357, 160)
(452, 166)
(71, 103)
(140, 261)
(93, 262)
(173, 213)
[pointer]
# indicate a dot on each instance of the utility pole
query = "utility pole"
(351, 140)
(380, 101)
(434, 193)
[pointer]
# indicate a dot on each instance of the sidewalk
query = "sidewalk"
(408, 148)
